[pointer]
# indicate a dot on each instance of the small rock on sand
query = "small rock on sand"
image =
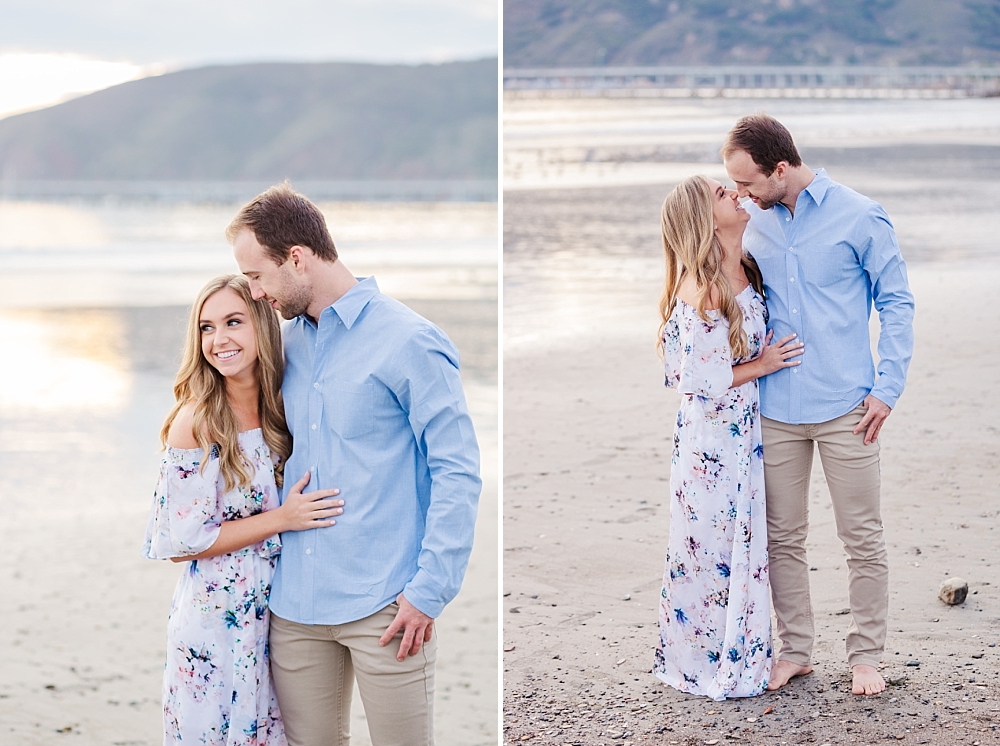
(953, 591)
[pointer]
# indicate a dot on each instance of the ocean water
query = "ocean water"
(147, 252)
(94, 298)
(584, 180)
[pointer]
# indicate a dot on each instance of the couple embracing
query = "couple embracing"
(287, 596)
(777, 293)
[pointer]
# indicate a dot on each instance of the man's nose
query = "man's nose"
(255, 291)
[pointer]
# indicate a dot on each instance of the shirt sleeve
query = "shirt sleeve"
(881, 260)
(429, 389)
(697, 357)
(186, 514)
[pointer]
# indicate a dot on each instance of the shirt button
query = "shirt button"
(795, 370)
(309, 551)
(787, 219)
(791, 279)
(314, 424)
(316, 385)
(794, 310)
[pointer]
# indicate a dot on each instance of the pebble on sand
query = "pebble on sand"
(953, 591)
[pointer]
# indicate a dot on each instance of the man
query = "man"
(827, 254)
(374, 403)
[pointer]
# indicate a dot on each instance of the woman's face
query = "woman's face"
(726, 209)
(228, 341)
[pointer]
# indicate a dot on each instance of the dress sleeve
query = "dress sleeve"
(186, 512)
(696, 354)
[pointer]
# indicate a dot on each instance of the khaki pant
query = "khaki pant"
(314, 666)
(852, 473)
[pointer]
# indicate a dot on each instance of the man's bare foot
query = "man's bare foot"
(867, 680)
(783, 671)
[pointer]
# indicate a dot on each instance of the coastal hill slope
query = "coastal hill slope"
(268, 121)
(575, 33)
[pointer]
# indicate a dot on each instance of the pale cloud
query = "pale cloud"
(481, 8)
(193, 32)
(31, 81)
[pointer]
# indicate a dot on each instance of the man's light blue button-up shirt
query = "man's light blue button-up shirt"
(823, 270)
(374, 402)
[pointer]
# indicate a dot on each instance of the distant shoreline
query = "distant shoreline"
(753, 81)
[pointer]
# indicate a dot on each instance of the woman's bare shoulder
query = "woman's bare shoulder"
(689, 293)
(181, 434)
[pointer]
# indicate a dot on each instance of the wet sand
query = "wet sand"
(83, 616)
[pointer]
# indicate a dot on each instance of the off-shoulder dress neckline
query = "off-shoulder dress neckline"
(254, 433)
(710, 310)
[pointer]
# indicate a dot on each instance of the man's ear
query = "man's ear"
(781, 170)
(297, 256)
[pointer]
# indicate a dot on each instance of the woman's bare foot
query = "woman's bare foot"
(867, 680)
(783, 671)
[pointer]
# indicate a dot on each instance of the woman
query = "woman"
(216, 506)
(715, 637)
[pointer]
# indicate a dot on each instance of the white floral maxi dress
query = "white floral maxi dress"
(715, 625)
(217, 684)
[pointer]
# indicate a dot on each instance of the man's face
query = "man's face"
(765, 191)
(276, 284)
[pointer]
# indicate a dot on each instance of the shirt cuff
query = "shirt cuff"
(883, 394)
(425, 596)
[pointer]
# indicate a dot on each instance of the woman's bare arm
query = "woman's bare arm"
(774, 357)
(298, 513)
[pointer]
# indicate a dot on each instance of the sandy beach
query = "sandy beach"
(587, 440)
(86, 381)
(585, 524)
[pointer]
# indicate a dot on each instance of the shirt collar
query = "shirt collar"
(350, 305)
(818, 186)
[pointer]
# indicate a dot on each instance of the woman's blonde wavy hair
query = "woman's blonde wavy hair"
(199, 383)
(691, 248)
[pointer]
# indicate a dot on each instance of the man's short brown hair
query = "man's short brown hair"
(281, 218)
(765, 140)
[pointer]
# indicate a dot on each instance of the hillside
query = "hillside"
(268, 121)
(551, 33)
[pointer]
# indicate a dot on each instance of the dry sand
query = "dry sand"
(587, 440)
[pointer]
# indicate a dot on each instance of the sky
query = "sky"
(51, 50)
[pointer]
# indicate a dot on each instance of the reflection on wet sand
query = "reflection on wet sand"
(62, 360)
